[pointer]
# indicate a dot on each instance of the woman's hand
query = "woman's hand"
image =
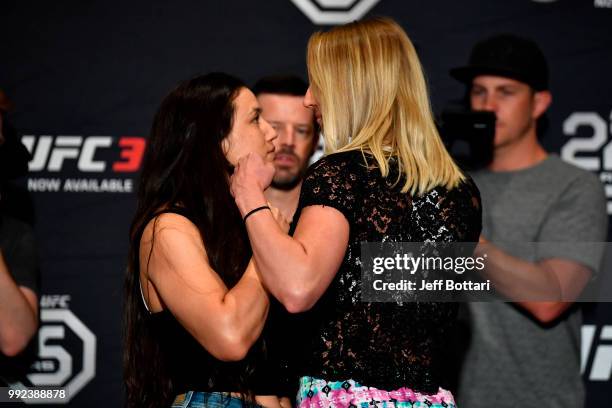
(252, 175)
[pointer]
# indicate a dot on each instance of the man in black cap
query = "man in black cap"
(526, 353)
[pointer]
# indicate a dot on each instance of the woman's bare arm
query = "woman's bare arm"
(297, 270)
(226, 322)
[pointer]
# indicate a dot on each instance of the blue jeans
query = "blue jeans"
(198, 399)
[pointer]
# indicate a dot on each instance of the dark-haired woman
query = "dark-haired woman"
(195, 306)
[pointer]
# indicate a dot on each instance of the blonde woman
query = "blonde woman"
(386, 177)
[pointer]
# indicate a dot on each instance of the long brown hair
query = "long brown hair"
(184, 165)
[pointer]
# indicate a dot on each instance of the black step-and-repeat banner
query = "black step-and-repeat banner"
(86, 77)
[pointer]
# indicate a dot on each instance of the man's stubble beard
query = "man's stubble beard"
(288, 183)
(514, 139)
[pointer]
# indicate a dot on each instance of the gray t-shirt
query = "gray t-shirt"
(512, 360)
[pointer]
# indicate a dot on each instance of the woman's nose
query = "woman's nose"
(269, 131)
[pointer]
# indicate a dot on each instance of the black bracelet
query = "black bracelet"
(263, 207)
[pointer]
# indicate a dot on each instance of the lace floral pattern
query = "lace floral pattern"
(383, 345)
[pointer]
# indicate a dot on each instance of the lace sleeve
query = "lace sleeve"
(386, 345)
(466, 202)
(455, 216)
(329, 182)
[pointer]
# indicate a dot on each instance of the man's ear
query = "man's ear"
(316, 136)
(541, 102)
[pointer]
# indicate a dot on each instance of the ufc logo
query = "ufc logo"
(597, 347)
(591, 152)
(50, 153)
(333, 12)
(54, 301)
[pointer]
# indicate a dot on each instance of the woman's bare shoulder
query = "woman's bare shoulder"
(169, 225)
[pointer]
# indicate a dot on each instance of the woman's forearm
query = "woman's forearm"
(296, 270)
(282, 261)
(247, 307)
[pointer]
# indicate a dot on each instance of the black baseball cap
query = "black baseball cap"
(509, 56)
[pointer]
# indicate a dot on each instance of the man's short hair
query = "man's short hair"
(289, 85)
(281, 85)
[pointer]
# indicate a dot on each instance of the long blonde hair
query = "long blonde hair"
(373, 97)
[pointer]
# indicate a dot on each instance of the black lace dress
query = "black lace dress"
(382, 345)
